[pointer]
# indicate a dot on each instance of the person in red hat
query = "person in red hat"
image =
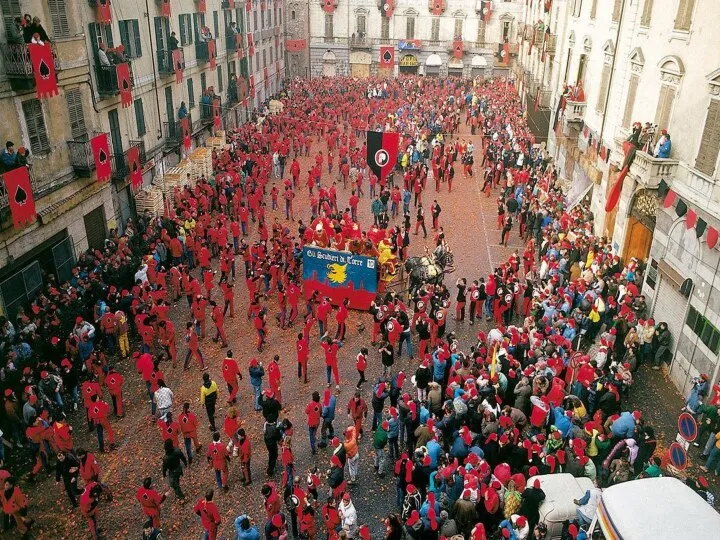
(209, 515)
(348, 516)
(533, 496)
(331, 517)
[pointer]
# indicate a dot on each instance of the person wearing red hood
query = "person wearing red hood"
(209, 515)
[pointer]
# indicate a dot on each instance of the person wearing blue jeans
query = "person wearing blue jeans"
(406, 337)
(257, 372)
(713, 455)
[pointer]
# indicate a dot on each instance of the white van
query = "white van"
(659, 508)
(558, 506)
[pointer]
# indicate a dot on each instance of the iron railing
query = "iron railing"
(120, 163)
(81, 155)
(202, 51)
(165, 61)
(16, 59)
(108, 81)
(172, 131)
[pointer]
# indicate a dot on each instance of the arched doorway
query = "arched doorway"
(432, 65)
(329, 64)
(478, 65)
(409, 64)
(640, 225)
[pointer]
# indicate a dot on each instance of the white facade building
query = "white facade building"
(658, 62)
(345, 38)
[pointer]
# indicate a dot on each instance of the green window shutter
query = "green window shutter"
(140, 118)
(136, 36)
(73, 97)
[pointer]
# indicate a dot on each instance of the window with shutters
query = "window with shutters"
(328, 25)
(664, 108)
(646, 16)
(73, 97)
(435, 29)
(59, 19)
(683, 17)
(216, 23)
(191, 92)
(130, 37)
(140, 118)
(35, 122)
(255, 23)
(185, 23)
(10, 9)
(577, 8)
(617, 8)
(220, 79)
(630, 101)
(385, 28)
(593, 9)
(361, 24)
(458, 32)
(203, 82)
(603, 89)
(506, 31)
(481, 31)
(710, 141)
(264, 59)
(410, 28)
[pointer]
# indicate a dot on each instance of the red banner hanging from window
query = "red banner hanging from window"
(20, 196)
(166, 8)
(44, 69)
(212, 53)
(136, 175)
(438, 6)
(251, 45)
(202, 6)
(187, 135)
(295, 45)
(387, 56)
(239, 44)
(458, 48)
(252, 86)
(231, 4)
(216, 113)
(263, 6)
(104, 13)
(124, 83)
(178, 65)
(248, 6)
(486, 10)
(101, 153)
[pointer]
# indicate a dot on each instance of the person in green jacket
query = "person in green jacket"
(380, 440)
(376, 207)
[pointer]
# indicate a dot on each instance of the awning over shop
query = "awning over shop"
(433, 60)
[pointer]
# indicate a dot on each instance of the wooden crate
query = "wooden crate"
(149, 199)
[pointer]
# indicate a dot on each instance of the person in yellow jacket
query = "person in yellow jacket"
(208, 397)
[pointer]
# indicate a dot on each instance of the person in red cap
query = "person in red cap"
(89, 501)
(150, 501)
(209, 515)
(348, 516)
(331, 347)
(331, 516)
(218, 317)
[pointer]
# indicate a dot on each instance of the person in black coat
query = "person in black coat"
(532, 497)
(68, 468)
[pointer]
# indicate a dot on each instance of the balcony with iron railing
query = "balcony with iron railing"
(202, 50)
(173, 133)
(107, 79)
(545, 98)
(231, 41)
(121, 165)
(81, 155)
(18, 66)
(575, 111)
(165, 61)
(552, 43)
(360, 42)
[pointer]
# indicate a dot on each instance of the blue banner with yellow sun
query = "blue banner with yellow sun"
(340, 275)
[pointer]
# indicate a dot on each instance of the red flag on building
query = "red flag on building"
(387, 7)
(248, 6)
(486, 10)
(712, 237)
(670, 198)
(295, 45)
(43, 64)
(216, 113)
(187, 136)
(166, 8)
(202, 6)
(438, 6)
(212, 53)
(101, 152)
(329, 6)
(458, 48)
(545, 45)
(20, 196)
(691, 218)
(104, 13)
(124, 83)
(251, 45)
(231, 4)
(537, 100)
(178, 65)
(263, 6)
(615, 192)
(136, 175)
(252, 86)
(387, 56)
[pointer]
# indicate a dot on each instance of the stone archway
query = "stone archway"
(329, 64)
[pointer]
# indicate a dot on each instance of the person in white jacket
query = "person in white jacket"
(348, 516)
(587, 506)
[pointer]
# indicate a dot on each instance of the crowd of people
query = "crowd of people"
(465, 431)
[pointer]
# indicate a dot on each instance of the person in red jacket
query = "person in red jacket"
(218, 318)
(170, 429)
(14, 505)
(302, 347)
(331, 516)
(231, 374)
(166, 339)
(150, 501)
(62, 432)
(331, 347)
(114, 382)
(89, 501)
(228, 297)
(245, 452)
(191, 339)
(188, 426)
(323, 311)
(98, 413)
(218, 458)
(198, 313)
(209, 515)
(341, 316)
(89, 389)
(275, 377)
(313, 410)
(261, 329)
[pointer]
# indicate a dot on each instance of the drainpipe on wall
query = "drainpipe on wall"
(155, 76)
